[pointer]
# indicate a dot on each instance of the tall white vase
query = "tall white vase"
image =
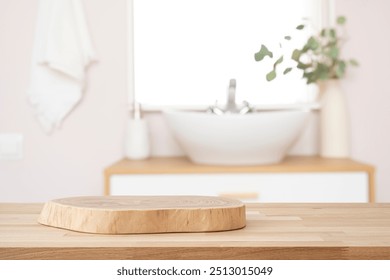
(334, 121)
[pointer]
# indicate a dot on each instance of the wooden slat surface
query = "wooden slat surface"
(273, 231)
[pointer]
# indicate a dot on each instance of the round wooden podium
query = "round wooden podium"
(144, 214)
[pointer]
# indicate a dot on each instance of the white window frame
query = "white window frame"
(324, 9)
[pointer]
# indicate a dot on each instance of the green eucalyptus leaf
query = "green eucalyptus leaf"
(322, 71)
(310, 77)
(287, 38)
(312, 43)
(334, 52)
(324, 76)
(331, 44)
(296, 55)
(305, 48)
(271, 75)
(300, 27)
(341, 20)
(260, 55)
(340, 69)
(353, 62)
(302, 66)
(280, 60)
(287, 70)
(323, 32)
(332, 33)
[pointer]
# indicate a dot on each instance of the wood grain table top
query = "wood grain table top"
(273, 231)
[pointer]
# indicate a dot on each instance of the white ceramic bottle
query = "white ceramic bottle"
(137, 142)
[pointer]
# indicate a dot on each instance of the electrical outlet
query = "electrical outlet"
(11, 146)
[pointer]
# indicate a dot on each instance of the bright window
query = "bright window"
(186, 51)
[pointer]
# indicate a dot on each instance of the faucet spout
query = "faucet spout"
(231, 105)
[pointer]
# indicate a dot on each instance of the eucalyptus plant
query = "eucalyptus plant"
(319, 58)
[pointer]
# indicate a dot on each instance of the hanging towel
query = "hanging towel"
(62, 50)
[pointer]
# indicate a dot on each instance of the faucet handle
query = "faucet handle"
(246, 108)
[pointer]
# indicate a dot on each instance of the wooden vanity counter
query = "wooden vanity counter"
(314, 167)
(273, 231)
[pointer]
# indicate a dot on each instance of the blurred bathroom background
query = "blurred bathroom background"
(71, 161)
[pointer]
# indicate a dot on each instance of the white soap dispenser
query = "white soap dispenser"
(137, 143)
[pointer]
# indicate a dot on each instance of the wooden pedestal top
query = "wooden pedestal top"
(144, 214)
(273, 231)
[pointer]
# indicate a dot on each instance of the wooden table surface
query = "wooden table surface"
(273, 231)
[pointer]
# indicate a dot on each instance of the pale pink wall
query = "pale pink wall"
(367, 87)
(71, 161)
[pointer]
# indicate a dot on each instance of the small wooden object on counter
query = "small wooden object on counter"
(144, 214)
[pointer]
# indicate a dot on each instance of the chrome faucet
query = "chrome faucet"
(231, 106)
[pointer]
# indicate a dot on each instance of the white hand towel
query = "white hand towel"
(62, 51)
